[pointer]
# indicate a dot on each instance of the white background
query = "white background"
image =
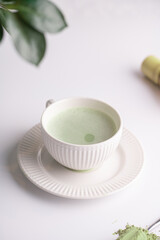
(98, 55)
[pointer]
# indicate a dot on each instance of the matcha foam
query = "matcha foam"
(81, 125)
(135, 233)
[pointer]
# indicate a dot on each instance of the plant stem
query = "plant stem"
(10, 6)
(3, 6)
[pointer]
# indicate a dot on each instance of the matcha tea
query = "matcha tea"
(135, 233)
(81, 126)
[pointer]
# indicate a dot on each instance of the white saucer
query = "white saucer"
(115, 174)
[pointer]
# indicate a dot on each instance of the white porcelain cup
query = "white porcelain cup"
(74, 156)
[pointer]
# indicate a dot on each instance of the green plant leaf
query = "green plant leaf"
(29, 43)
(1, 33)
(41, 15)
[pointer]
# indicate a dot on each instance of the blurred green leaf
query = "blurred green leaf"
(1, 33)
(41, 15)
(29, 43)
(7, 1)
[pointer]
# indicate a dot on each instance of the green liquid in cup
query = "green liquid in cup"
(81, 126)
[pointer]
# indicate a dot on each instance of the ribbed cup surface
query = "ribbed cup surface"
(80, 157)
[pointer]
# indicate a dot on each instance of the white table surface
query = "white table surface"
(98, 55)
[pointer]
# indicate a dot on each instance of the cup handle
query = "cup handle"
(49, 102)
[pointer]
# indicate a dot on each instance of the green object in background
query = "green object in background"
(27, 21)
(151, 69)
(42, 15)
(135, 233)
(1, 33)
(29, 43)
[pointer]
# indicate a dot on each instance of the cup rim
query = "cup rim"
(83, 145)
